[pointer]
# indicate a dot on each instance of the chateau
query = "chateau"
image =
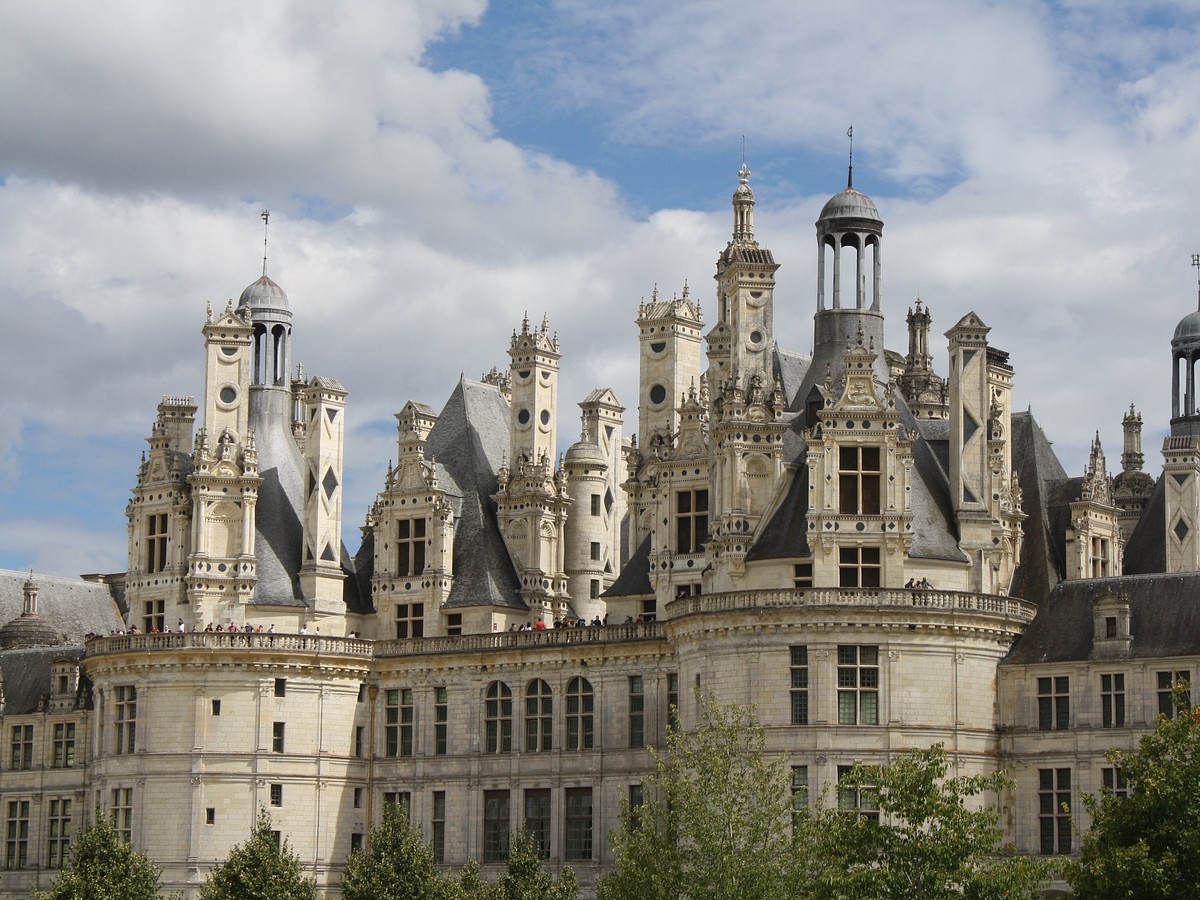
(874, 555)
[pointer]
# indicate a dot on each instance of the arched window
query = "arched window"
(580, 703)
(498, 718)
(539, 716)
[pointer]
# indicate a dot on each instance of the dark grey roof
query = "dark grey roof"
(1043, 486)
(469, 442)
(1146, 551)
(634, 580)
(786, 535)
(26, 677)
(1164, 619)
(790, 368)
(279, 541)
(71, 606)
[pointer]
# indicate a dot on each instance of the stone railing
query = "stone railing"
(863, 598)
(505, 640)
(229, 640)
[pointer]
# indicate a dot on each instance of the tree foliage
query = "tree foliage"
(714, 824)
(102, 866)
(931, 840)
(1148, 845)
(259, 869)
(397, 864)
(525, 878)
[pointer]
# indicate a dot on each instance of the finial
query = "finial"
(1196, 263)
(266, 217)
(744, 173)
(850, 173)
(743, 150)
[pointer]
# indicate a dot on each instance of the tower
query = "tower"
(1093, 538)
(669, 335)
(1181, 449)
(1132, 487)
(321, 573)
(924, 390)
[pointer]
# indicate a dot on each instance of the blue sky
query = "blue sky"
(435, 169)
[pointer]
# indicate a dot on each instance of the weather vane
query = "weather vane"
(850, 174)
(1196, 263)
(266, 217)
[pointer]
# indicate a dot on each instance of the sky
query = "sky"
(435, 169)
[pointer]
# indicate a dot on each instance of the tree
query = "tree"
(263, 868)
(398, 864)
(714, 823)
(923, 841)
(102, 866)
(524, 877)
(1148, 844)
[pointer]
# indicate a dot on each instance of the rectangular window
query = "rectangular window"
(1054, 703)
(1112, 700)
(126, 718)
(498, 718)
(802, 575)
(858, 685)
(16, 845)
(799, 672)
(154, 616)
(58, 828)
(539, 717)
(1100, 555)
(579, 823)
(595, 504)
(276, 794)
(441, 721)
(277, 735)
(210, 815)
(673, 699)
(580, 708)
(691, 520)
(495, 826)
(859, 567)
(637, 796)
(399, 718)
(280, 687)
(1054, 810)
(454, 624)
(121, 812)
(156, 542)
(637, 712)
(595, 554)
(1114, 782)
(359, 739)
(358, 798)
(438, 845)
(799, 788)
(856, 800)
(64, 745)
(858, 481)
(403, 799)
(537, 819)
(1166, 691)
(356, 841)
(216, 707)
(410, 620)
(649, 610)
(594, 589)
(21, 756)
(410, 547)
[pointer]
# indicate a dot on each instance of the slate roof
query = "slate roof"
(72, 606)
(634, 580)
(26, 680)
(1045, 488)
(1146, 550)
(279, 538)
(1164, 619)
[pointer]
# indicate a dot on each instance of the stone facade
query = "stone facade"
(876, 557)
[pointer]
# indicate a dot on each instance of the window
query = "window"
(1110, 626)
(495, 826)
(410, 547)
(121, 812)
(858, 685)
(64, 745)
(637, 796)
(1100, 557)
(359, 739)
(358, 798)
(16, 844)
(595, 504)
(362, 693)
(439, 827)
(1054, 810)
(799, 670)
(637, 712)
(691, 520)
(22, 747)
(595, 554)
(498, 718)
(594, 589)
(799, 788)
(537, 819)
(539, 709)
(280, 687)
(441, 721)
(59, 831)
(403, 799)
(1054, 703)
(356, 841)
(580, 702)
(154, 616)
(579, 823)
(277, 839)
(802, 575)
(673, 699)
(454, 624)
(859, 567)
(216, 707)
(210, 815)
(1112, 700)
(277, 736)
(398, 722)
(126, 721)
(858, 481)
(276, 794)
(859, 799)
(649, 610)
(1114, 782)
(1166, 691)
(156, 542)
(410, 620)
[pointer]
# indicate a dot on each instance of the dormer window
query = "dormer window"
(858, 481)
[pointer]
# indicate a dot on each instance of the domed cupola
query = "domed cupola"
(1185, 355)
(29, 629)
(267, 304)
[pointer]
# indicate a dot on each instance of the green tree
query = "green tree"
(525, 878)
(714, 824)
(259, 869)
(925, 841)
(397, 865)
(102, 866)
(1148, 844)
(472, 885)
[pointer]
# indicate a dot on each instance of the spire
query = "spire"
(850, 173)
(1196, 263)
(743, 209)
(266, 217)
